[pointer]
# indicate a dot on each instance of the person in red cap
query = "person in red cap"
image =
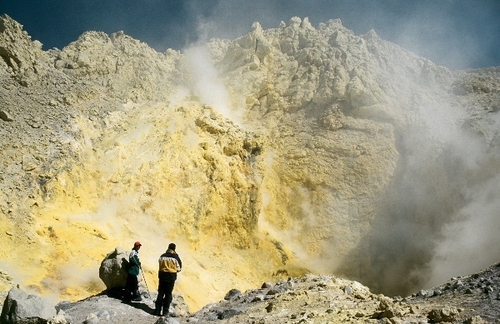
(134, 265)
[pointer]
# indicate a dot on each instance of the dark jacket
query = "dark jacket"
(133, 263)
(169, 264)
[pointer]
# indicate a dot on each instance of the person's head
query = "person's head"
(171, 246)
(137, 245)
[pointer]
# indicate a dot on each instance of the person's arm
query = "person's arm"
(180, 262)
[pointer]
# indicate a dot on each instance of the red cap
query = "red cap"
(137, 243)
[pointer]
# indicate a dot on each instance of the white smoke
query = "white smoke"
(206, 82)
(470, 243)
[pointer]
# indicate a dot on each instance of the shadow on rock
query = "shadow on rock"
(140, 305)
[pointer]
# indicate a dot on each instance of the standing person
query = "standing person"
(134, 264)
(169, 264)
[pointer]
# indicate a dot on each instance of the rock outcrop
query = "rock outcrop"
(285, 151)
(20, 307)
(113, 269)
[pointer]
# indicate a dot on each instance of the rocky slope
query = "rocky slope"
(310, 299)
(282, 152)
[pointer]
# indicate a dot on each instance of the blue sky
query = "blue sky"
(458, 34)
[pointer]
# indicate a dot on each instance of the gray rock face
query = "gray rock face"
(331, 152)
(306, 299)
(326, 299)
(22, 308)
(113, 269)
(232, 294)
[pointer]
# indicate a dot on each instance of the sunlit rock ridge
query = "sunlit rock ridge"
(285, 151)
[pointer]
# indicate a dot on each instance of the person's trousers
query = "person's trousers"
(131, 287)
(164, 298)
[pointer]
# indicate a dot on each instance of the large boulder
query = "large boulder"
(22, 308)
(113, 269)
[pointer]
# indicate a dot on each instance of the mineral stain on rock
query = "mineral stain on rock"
(285, 151)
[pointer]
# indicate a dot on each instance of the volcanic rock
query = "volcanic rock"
(113, 269)
(286, 151)
(22, 308)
